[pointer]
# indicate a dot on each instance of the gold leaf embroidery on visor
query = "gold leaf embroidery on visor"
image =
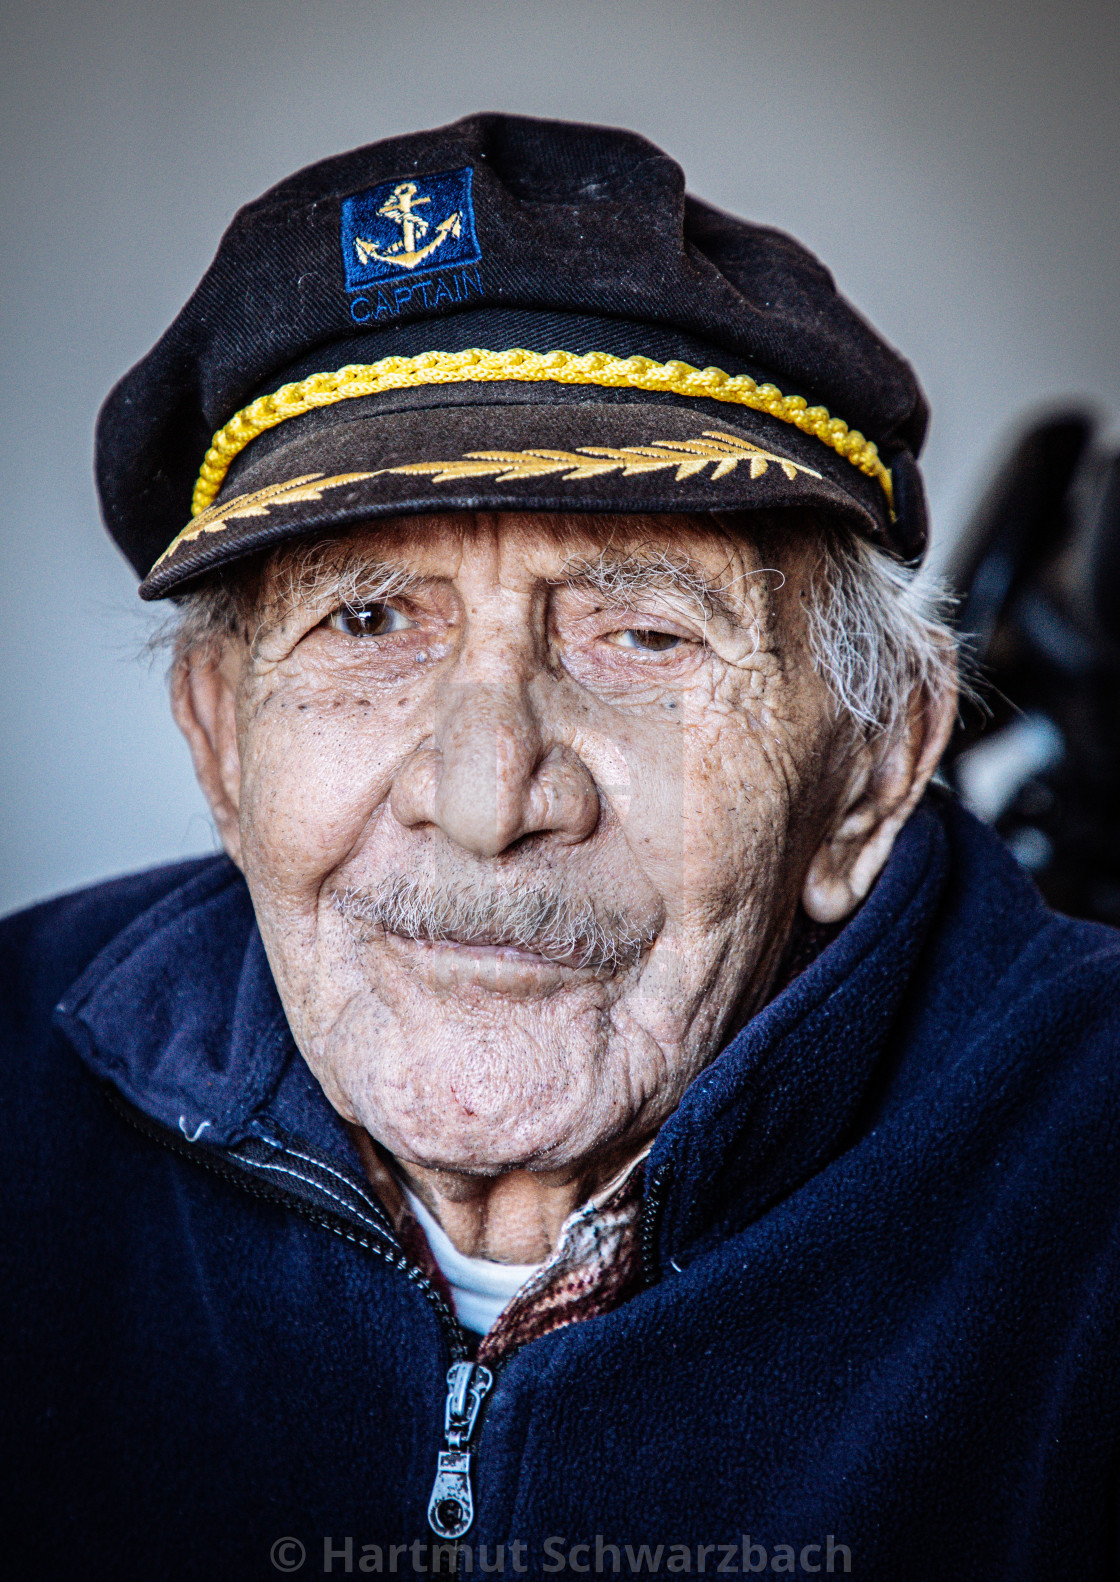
(688, 456)
(293, 491)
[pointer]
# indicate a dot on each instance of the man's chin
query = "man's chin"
(495, 1148)
(481, 1113)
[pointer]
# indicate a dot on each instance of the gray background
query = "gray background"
(956, 164)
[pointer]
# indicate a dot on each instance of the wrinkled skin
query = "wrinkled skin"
(673, 760)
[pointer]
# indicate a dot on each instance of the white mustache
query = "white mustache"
(530, 917)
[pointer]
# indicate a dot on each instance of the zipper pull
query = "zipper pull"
(451, 1506)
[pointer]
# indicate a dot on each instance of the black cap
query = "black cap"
(502, 314)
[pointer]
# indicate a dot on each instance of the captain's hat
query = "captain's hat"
(502, 314)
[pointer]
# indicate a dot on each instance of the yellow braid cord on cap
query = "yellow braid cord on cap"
(479, 366)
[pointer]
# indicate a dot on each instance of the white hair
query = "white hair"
(878, 630)
(879, 633)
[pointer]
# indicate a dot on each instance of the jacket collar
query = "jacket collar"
(180, 1013)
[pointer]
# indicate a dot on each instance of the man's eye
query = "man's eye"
(370, 620)
(639, 640)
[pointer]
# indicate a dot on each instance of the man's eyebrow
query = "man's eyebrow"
(313, 581)
(620, 578)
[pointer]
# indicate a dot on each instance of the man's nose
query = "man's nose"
(489, 776)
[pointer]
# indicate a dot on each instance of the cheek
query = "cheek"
(314, 773)
(712, 799)
(684, 789)
(735, 818)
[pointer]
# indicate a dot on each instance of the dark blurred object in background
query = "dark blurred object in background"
(1037, 573)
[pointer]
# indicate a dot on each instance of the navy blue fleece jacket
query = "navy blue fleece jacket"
(879, 1332)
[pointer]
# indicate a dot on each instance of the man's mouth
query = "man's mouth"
(454, 965)
(575, 958)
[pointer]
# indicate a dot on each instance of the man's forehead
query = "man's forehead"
(604, 549)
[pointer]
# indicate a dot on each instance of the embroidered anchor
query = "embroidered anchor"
(401, 208)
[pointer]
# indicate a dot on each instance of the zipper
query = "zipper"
(451, 1505)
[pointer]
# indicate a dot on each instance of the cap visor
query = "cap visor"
(358, 462)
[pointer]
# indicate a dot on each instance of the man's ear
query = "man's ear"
(884, 782)
(203, 701)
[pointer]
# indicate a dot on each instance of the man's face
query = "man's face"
(525, 819)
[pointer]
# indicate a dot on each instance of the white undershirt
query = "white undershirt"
(480, 1288)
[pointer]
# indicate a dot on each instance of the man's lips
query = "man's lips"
(454, 967)
(499, 950)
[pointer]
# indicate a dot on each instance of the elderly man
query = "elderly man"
(603, 1114)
